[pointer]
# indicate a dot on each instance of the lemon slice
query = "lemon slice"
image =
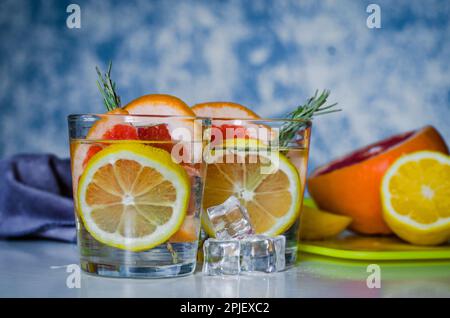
(415, 193)
(132, 196)
(272, 199)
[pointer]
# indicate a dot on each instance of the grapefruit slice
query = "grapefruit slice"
(223, 110)
(229, 121)
(175, 129)
(351, 185)
(416, 197)
(158, 104)
(132, 196)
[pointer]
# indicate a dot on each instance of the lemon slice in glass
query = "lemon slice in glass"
(133, 196)
(272, 199)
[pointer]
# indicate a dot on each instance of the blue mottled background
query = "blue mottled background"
(270, 55)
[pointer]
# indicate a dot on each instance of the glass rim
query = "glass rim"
(73, 117)
(246, 119)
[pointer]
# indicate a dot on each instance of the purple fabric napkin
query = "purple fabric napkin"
(36, 198)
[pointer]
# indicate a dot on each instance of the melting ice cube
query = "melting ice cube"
(261, 253)
(221, 257)
(230, 220)
(279, 242)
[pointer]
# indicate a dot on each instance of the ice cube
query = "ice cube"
(221, 257)
(258, 254)
(261, 253)
(279, 242)
(230, 219)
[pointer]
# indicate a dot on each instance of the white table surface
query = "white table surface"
(26, 271)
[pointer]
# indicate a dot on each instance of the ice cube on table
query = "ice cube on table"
(279, 242)
(230, 219)
(258, 254)
(261, 253)
(221, 257)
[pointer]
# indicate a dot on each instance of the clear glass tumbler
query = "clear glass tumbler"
(263, 163)
(138, 183)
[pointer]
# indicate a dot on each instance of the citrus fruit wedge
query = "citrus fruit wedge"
(105, 128)
(415, 193)
(351, 185)
(223, 110)
(318, 225)
(132, 196)
(272, 199)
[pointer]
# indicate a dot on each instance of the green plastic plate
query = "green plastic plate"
(351, 246)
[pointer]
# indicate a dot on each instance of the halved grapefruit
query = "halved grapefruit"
(351, 185)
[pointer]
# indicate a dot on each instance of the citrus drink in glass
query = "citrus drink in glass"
(138, 183)
(265, 168)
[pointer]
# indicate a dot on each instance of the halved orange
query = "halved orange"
(132, 196)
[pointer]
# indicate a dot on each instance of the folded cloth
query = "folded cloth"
(36, 198)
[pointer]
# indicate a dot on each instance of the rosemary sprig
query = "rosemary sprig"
(108, 89)
(314, 106)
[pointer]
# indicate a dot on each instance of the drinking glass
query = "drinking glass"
(262, 162)
(138, 183)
